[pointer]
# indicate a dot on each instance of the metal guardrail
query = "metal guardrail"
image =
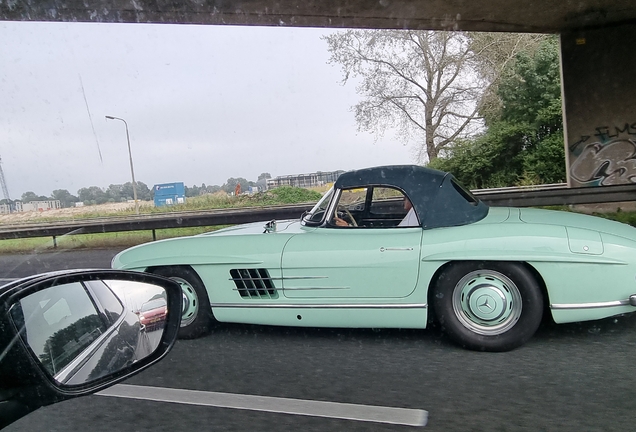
(554, 195)
(512, 197)
(154, 222)
(521, 188)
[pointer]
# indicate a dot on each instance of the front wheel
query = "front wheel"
(488, 306)
(196, 313)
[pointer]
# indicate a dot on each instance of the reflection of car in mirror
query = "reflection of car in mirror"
(153, 313)
(77, 331)
(487, 275)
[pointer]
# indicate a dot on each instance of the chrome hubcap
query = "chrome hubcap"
(190, 302)
(487, 302)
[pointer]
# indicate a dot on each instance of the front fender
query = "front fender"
(258, 249)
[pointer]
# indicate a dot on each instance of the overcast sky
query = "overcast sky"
(203, 103)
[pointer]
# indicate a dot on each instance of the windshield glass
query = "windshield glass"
(317, 213)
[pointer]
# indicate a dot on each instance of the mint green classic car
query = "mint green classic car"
(401, 247)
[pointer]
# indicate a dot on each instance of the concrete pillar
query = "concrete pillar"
(599, 98)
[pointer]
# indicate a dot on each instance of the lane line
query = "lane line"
(335, 410)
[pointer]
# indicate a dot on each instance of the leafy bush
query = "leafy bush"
(625, 217)
(293, 195)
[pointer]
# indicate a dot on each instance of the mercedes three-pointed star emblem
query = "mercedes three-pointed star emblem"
(486, 304)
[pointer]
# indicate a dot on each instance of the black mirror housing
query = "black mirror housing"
(52, 349)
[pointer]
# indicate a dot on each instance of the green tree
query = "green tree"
(494, 55)
(92, 195)
(523, 142)
(31, 196)
(143, 192)
(192, 191)
(230, 184)
(115, 193)
(65, 197)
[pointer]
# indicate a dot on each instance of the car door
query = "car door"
(352, 263)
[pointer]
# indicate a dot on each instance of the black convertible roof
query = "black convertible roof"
(439, 200)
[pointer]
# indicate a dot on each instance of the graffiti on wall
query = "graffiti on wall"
(606, 157)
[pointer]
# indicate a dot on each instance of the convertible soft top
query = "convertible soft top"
(439, 200)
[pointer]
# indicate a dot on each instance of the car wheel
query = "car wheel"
(196, 316)
(488, 306)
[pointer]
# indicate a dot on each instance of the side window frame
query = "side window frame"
(365, 216)
(335, 203)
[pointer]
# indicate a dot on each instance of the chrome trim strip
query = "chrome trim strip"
(383, 249)
(290, 289)
(313, 288)
(302, 277)
(252, 279)
(319, 306)
(280, 278)
(590, 305)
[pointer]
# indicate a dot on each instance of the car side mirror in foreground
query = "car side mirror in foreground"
(73, 333)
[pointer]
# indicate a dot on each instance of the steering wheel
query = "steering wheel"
(349, 215)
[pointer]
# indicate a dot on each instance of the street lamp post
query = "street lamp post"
(132, 170)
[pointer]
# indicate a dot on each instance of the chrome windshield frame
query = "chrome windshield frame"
(323, 204)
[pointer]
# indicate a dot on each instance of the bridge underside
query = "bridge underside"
(596, 39)
(538, 16)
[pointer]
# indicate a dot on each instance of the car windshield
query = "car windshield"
(153, 304)
(317, 213)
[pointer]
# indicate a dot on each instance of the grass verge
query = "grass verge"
(96, 241)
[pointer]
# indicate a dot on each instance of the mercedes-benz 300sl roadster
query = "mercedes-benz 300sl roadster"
(401, 247)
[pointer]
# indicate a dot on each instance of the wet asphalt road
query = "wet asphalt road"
(575, 377)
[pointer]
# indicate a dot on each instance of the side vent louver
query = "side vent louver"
(253, 283)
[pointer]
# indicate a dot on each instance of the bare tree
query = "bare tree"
(423, 83)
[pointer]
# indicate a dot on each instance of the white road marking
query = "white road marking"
(344, 411)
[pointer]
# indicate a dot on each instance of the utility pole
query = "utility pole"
(132, 170)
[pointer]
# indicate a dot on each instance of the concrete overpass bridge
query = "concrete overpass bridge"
(597, 50)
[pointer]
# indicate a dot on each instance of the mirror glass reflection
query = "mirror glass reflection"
(82, 331)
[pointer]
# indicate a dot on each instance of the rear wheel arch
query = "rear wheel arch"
(515, 294)
(530, 268)
(544, 289)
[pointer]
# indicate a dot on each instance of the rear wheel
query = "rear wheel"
(488, 306)
(196, 313)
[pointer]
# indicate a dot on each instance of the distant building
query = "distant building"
(305, 180)
(19, 206)
(40, 205)
(169, 194)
